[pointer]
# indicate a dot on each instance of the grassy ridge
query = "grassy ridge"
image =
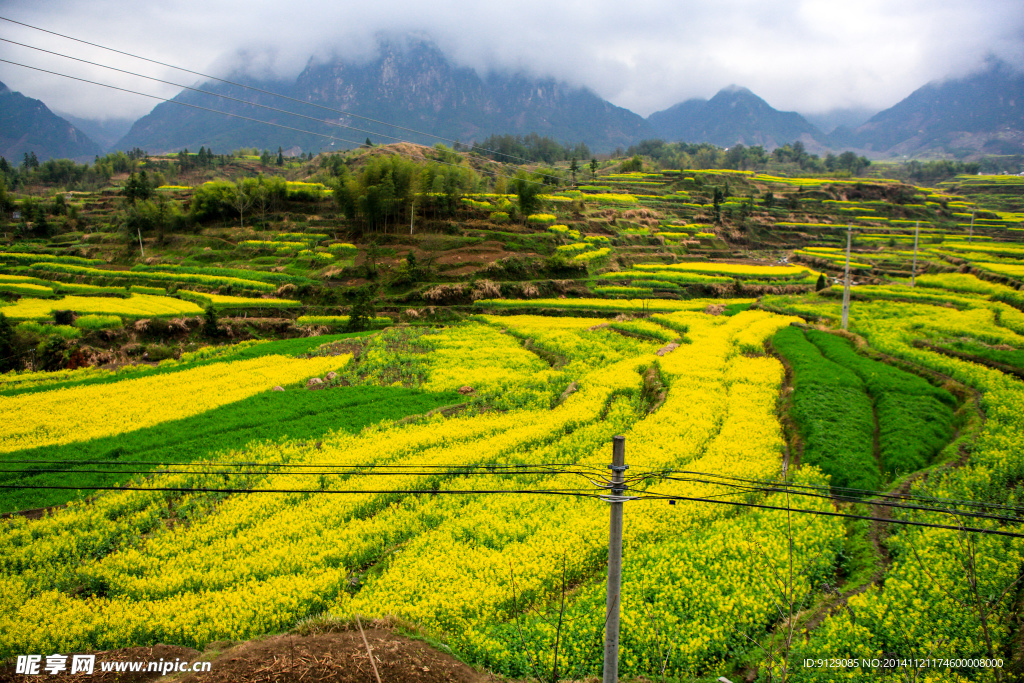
(915, 419)
(205, 356)
(978, 349)
(833, 412)
(272, 415)
(241, 273)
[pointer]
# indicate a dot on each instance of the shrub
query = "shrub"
(64, 317)
(158, 352)
(99, 322)
(210, 322)
(343, 248)
(588, 256)
(43, 330)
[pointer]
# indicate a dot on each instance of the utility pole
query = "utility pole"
(846, 278)
(140, 241)
(412, 214)
(913, 268)
(611, 632)
(971, 233)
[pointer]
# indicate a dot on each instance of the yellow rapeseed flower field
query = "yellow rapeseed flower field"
(87, 412)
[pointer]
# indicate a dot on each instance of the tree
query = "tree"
(717, 198)
(260, 197)
(240, 201)
(363, 311)
(769, 199)
(850, 162)
(821, 283)
(8, 358)
(137, 187)
(631, 165)
(210, 322)
(280, 157)
(158, 215)
(593, 169)
(213, 200)
(528, 189)
(573, 168)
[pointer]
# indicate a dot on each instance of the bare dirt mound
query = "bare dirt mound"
(332, 657)
(337, 657)
(156, 653)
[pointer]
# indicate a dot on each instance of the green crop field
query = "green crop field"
(192, 453)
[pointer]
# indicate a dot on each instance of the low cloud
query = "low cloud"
(809, 56)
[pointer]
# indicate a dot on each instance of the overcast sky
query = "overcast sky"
(805, 55)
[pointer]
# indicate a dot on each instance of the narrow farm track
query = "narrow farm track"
(794, 446)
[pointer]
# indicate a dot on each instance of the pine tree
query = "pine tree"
(280, 157)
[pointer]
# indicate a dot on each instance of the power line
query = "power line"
(206, 469)
(553, 492)
(189, 489)
(824, 513)
(239, 116)
(260, 90)
(205, 92)
(303, 473)
(185, 104)
(358, 466)
(859, 495)
(750, 489)
(226, 97)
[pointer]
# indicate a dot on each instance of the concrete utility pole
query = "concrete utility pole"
(913, 268)
(846, 278)
(970, 234)
(611, 632)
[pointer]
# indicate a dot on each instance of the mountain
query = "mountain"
(27, 125)
(410, 83)
(734, 115)
(982, 113)
(828, 121)
(104, 132)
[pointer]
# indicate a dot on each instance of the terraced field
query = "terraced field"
(797, 489)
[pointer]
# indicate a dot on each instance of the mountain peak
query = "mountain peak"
(734, 89)
(734, 115)
(410, 83)
(27, 125)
